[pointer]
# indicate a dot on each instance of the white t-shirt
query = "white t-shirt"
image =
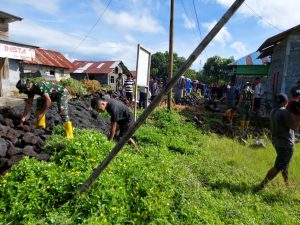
(258, 91)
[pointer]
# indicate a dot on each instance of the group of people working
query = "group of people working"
(121, 115)
(284, 118)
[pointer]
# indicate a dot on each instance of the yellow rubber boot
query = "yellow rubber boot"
(68, 129)
(247, 124)
(41, 123)
(243, 124)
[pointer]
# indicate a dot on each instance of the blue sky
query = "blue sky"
(62, 25)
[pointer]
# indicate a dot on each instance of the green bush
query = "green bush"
(73, 86)
(91, 85)
(182, 176)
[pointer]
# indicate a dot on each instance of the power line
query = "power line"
(187, 15)
(197, 20)
(198, 25)
(189, 19)
(261, 18)
(92, 28)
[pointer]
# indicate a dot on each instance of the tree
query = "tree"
(160, 64)
(216, 68)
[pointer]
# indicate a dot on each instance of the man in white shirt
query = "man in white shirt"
(257, 95)
(129, 87)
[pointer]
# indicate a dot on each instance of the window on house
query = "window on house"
(112, 79)
(61, 72)
(52, 72)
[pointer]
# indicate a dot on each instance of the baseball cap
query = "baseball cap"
(281, 98)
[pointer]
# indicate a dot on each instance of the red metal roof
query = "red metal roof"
(133, 73)
(50, 58)
(92, 67)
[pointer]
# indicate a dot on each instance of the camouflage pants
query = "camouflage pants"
(245, 111)
(62, 104)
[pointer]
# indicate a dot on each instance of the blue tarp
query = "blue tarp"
(251, 59)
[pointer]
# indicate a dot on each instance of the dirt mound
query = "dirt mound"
(190, 100)
(17, 140)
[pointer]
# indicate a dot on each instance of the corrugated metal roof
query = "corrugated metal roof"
(50, 58)
(273, 41)
(92, 67)
(9, 17)
(17, 43)
(251, 59)
(133, 73)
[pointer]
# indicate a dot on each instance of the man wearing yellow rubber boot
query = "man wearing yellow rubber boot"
(49, 92)
(244, 104)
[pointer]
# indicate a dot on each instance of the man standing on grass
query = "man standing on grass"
(120, 115)
(245, 103)
(120, 84)
(283, 124)
(129, 87)
(257, 95)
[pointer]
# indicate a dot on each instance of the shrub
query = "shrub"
(91, 85)
(181, 177)
(36, 79)
(73, 86)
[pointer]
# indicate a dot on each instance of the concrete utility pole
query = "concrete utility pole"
(171, 34)
(233, 8)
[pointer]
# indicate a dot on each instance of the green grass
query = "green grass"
(183, 176)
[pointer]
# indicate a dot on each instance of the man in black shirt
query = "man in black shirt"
(120, 115)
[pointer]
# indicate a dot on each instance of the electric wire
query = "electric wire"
(198, 25)
(92, 28)
(187, 15)
(261, 18)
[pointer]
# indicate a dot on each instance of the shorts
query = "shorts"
(283, 159)
(245, 112)
(124, 126)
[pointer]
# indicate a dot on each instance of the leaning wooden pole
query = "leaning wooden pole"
(159, 97)
(170, 70)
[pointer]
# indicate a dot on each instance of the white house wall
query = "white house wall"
(59, 74)
(14, 75)
(293, 66)
(276, 69)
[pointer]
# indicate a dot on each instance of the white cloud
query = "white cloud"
(137, 19)
(59, 41)
(188, 24)
(142, 22)
(222, 37)
(239, 47)
(281, 14)
(48, 7)
(130, 38)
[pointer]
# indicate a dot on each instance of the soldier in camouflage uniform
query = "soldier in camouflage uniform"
(244, 104)
(49, 92)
